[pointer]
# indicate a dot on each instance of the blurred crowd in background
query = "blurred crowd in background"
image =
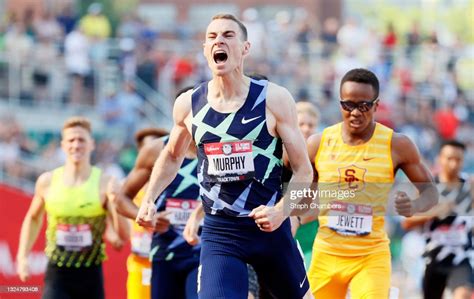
(82, 62)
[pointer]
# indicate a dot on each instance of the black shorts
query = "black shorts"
(437, 278)
(71, 283)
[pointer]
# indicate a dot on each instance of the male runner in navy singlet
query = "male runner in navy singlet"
(239, 126)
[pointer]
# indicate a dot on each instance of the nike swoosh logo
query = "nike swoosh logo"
(246, 121)
(302, 283)
(367, 159)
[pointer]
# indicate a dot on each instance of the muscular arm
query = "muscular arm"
(33, 220)
(168, 163)
(406, 157)
(137, 178)
(312, 147)
(118, 229)
(282, 106)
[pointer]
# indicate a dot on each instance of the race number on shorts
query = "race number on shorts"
(180, 210)
(73, 237)
(350, 219)
(230, 161)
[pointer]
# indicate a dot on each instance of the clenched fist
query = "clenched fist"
(404, 205)
(146, 214)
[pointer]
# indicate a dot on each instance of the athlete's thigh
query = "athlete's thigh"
(327, 276)
(165, 281)
(54, 286)
(191, 283)
(221, 276)
(138, 283)
(279, 264)
(138, 280)
(372, 281)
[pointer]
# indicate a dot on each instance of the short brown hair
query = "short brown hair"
(309, 108)
(78, 121)
(143, 133)
(233, 18)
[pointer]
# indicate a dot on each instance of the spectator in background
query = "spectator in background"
(9, 148)
(283, 36)
(18, 47)
(110, 109)
(146, 67)
(13, 146)
(256, 33)
(95, 25)
(304, 35)
(129, 26)
(106, 159)
(78, 64)
(28, 21)
(127, 59)
(53, 156)
(120, 112)
(45, 55)
(329, 36)
(351, 37)
(67, 19)
(389, 43)
(130, 104)
(48, 29)
(3, 31)
(446, 122)
(413, 40)
(18, 44)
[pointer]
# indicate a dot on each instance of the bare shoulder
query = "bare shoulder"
(280, 102)
(277, 95)
(404, 149)
(43, 182)
(182, 106)
(313, 143)
(149, 153)
(314, 140)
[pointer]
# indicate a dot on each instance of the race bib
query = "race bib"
(141, 243)
(450, 235)
(180, 210)
(73, 237)
(230, 161)
(350, 219)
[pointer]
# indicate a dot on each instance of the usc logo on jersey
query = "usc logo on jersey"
(351, 178)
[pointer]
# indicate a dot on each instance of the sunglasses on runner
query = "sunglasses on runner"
(363, 106)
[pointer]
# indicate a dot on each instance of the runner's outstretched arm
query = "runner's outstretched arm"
(282, 106)
(32, 225)
(408, 159)
(137, 178)
(168, 163)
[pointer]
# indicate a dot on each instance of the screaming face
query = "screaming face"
(224, 47)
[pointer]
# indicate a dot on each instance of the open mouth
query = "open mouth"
(356, 123)
(220, 56)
